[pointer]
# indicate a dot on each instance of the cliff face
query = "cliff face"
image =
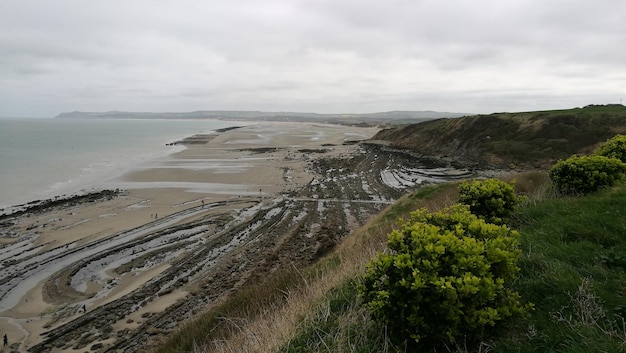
(526, 140)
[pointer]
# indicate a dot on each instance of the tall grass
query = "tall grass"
(224, 319)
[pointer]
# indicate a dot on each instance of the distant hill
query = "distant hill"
(527, 140)
(393, 117)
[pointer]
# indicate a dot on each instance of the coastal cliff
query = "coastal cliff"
(505, 140)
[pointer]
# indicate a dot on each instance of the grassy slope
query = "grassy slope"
(529, 139)
(572, 270)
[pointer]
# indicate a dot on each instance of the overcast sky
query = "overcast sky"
(325, 56)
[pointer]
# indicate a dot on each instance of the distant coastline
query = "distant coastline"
(391, 117)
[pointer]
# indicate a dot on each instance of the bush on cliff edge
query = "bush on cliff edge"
(447, 275)
(615, 147)
(493, 200)
(586, 174)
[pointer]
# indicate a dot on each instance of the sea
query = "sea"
(42, 158)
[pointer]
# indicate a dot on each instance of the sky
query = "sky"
(324, 56)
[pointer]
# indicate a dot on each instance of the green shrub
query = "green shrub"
(492, 199)
(613, 148)
(582, 175)
(446, 276)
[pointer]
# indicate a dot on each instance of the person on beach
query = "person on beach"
(6, 340)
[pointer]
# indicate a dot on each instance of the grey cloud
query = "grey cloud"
(313, 55)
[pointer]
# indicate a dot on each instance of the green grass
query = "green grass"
(402, 208)
(572, 269)
(327, 323)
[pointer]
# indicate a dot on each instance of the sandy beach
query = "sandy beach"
(229, 174)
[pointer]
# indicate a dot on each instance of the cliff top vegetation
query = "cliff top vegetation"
(509, 140)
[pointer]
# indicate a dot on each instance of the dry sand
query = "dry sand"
(227, 166)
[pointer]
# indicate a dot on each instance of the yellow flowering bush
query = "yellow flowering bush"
(447, 275)
(493, 200)
(586, 174)
(614, 147)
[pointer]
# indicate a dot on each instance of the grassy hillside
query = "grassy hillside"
(528, 140)
(572, 270)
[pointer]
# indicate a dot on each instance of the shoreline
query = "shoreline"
(106, 184)
(47, 158)
(259, 162)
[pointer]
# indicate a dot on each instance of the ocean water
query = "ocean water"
(43, 158)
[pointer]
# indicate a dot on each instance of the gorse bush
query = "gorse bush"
(492, 199)
(613, 148)
(446, 276)
(586, 174)
(583, 175)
